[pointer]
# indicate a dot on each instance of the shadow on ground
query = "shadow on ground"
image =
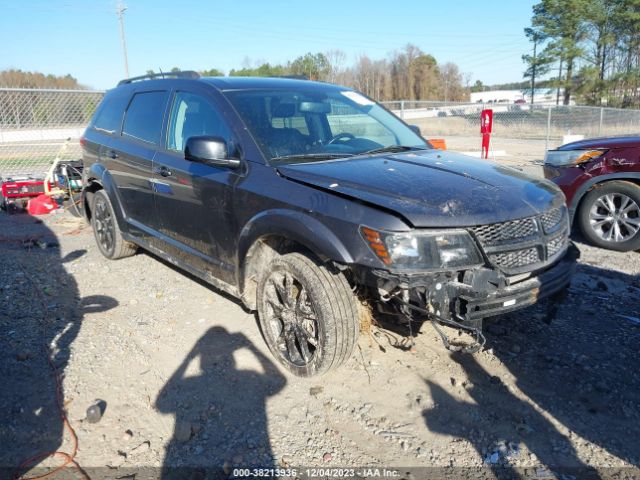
(581, 372)
(40, 316)
(219, 406)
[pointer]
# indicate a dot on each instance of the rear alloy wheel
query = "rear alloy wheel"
(308, 315)
(609, 216)
(106, 231)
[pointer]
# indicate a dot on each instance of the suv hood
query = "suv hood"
(604, 142)
(432, 188)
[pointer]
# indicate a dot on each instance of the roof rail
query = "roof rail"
(150, 76)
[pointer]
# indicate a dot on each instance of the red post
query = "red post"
(486, 122)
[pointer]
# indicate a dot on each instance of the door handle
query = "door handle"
(112, 154)
(163, 172)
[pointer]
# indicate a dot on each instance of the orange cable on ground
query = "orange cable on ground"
(69, 458)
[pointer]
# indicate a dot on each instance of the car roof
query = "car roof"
(240, 83)
(251, 83)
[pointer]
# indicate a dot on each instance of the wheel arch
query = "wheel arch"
(597, 182)
(99, 178)
(278, 232)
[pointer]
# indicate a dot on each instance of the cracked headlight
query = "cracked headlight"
(432, 250)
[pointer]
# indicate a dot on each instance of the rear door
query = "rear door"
(194, 201)
(106, 123)
(130, 157)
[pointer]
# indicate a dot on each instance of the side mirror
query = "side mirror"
(209, 150)
(416, 129)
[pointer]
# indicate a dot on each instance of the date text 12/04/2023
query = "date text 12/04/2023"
(311, 473)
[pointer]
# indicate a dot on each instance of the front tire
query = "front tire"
(609, 216)
(308, 314)
(106, 230)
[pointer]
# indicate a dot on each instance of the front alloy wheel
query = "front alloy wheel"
(290, 317)
(609, 216)
(615, 217)
(308, 314)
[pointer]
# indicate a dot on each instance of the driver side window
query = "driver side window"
(191, 116)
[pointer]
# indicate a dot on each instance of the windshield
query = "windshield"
(298, 126)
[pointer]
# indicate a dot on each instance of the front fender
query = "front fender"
(292, 225)
(296, 226)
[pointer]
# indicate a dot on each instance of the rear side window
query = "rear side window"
(143, 119)
(109, 115)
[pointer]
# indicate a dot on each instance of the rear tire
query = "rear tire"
(106, 230)
(609, 216)
(308, 314)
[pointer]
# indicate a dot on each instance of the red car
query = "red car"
(601, 179)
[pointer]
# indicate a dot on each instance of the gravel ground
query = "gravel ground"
(183, 378)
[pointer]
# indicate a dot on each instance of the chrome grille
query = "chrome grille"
(497, 233)
(551, 219)
(526, 244)
(516, 258)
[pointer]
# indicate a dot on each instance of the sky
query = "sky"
(484, 38)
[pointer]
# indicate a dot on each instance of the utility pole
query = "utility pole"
(120, 12)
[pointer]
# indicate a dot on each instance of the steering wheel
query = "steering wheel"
(337, 137)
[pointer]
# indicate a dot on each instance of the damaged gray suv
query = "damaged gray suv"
(314, 205)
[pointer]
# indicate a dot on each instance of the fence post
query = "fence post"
(546, 145)
(600, 125)
(402, 109)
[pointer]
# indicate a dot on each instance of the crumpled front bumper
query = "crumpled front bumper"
(468, 297)
(521, 294)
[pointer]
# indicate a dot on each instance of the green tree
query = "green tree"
(314, 66)
(538, 63)
(478, 86)
(625, 79)
(264, 70)
(563, 23)
(426, 79)
(598, 39)
(212, 72)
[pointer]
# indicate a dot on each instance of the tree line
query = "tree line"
(408, 74)
(13, 78)
(38, 106)
(590, 47)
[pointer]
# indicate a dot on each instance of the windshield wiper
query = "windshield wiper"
(312, 156)
(390, 149)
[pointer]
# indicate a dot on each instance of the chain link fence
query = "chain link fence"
(521, 133)
(36, 126)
